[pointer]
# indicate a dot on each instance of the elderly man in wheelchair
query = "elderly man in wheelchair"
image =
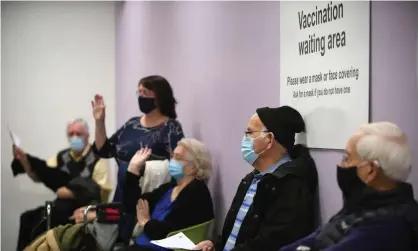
(76, 175)
(182, 204)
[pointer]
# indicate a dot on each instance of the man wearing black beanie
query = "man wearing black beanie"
(275, 204)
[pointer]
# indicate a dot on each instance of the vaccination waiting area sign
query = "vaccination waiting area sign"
(324, 67)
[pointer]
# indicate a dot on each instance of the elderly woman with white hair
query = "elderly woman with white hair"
(379, 211)
(175, 205)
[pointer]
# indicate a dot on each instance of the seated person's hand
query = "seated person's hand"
(138, 160)
(205, 246)
(78, 215)
(64, 193)
(142, 212)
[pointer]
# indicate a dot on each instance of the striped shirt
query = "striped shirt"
(248, 201)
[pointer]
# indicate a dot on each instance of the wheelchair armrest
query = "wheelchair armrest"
(48, 211)
(87, 210)
(105, 212)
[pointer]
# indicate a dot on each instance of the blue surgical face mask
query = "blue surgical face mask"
(247, 149)
(175, 168)
(77, 144)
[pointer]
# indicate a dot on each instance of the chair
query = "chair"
(105, 193)
(196, 233)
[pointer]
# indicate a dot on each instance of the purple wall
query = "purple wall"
(222, 59)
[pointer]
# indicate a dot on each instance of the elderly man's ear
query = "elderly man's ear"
(371, 172)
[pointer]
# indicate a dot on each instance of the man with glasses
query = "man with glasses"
(275, 203)
(379, 211)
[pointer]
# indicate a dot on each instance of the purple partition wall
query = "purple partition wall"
(222, 59)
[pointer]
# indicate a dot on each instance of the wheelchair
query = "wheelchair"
(101, 231)
(46, 218)
(111, 211)
(92, 232)
(106, 213)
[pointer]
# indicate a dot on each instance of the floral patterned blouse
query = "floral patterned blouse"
(131, 137)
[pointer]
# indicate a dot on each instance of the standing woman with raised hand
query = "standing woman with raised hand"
(156, 129)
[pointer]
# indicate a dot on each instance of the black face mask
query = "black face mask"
(146, 105)
(349, 182)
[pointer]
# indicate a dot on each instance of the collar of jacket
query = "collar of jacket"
(288, 168)
(370, 198)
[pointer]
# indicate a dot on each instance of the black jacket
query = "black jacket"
(192, 206)
(283, 208)
(85, 190)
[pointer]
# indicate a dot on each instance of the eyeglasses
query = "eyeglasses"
(178, 158)
(249, 133)
(139, 93)
(144, 93)
(346, 161)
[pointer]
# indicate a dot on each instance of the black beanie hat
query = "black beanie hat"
(284, 122)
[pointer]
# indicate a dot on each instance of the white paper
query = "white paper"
(15, 138)
(177, 241)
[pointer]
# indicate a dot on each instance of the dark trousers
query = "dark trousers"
(136, 248)
(126, 226)
(32, 223)
(31, 226)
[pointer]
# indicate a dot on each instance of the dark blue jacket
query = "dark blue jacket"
(397, 231)
(390, 235)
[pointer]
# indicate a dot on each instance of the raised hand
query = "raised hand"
(138, 160)
(19, 154)
(98, 107)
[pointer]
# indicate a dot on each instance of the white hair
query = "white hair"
(199, 157)
(80, 121)
(385, 143)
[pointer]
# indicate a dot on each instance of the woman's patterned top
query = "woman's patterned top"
(132, 136)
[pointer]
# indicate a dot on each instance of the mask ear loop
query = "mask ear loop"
(187, 163)
(264, 135)
(375, 163)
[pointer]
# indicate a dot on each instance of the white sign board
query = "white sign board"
(324, 67)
